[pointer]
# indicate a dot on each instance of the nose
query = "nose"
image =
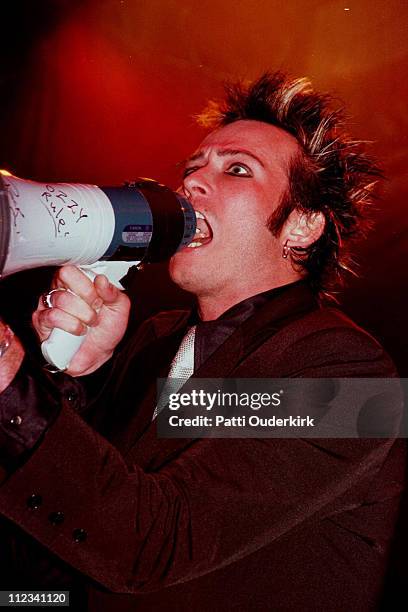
(196, 183)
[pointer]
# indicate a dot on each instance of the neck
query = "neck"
(210, 307)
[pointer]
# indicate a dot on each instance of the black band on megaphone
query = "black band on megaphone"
(151, 222)
(168, 221)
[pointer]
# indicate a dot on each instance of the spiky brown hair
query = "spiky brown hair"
(331, 174)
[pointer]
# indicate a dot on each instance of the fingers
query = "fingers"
(70, 277)
(76, 303)
(45, 320)
(72, 304)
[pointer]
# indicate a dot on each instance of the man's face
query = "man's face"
(236, 179)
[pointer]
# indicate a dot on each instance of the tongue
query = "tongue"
(203, 233)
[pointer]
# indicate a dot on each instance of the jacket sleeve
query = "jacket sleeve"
(32, 401)
(28, 406)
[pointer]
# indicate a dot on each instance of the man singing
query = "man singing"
(143, 523)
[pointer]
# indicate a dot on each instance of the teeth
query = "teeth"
(199, 215)
(194, 245)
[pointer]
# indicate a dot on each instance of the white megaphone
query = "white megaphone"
(102, 230)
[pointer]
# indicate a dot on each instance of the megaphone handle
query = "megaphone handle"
(61, 346)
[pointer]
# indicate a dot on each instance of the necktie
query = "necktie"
(181, 368)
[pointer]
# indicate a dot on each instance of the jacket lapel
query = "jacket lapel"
(150, 451)
(263, 324)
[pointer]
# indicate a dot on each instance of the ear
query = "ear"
(302, 229)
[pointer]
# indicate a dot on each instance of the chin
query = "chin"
(186, 276)
(182, 275)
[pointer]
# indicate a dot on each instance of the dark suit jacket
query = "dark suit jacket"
(214, 524)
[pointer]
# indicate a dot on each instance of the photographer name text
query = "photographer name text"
(240, 421)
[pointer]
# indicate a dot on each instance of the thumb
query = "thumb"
(106, 291)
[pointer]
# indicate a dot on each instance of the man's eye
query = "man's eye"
(188, 171)
(239, 170)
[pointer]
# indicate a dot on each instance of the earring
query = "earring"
(285, 250)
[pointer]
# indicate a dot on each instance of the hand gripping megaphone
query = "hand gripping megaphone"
(100, 229)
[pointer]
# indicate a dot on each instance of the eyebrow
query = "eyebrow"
(224, 153)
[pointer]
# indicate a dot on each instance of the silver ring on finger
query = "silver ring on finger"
(46, 298)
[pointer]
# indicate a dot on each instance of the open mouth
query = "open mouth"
(203, 233)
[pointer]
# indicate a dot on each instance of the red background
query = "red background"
(101, 91)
